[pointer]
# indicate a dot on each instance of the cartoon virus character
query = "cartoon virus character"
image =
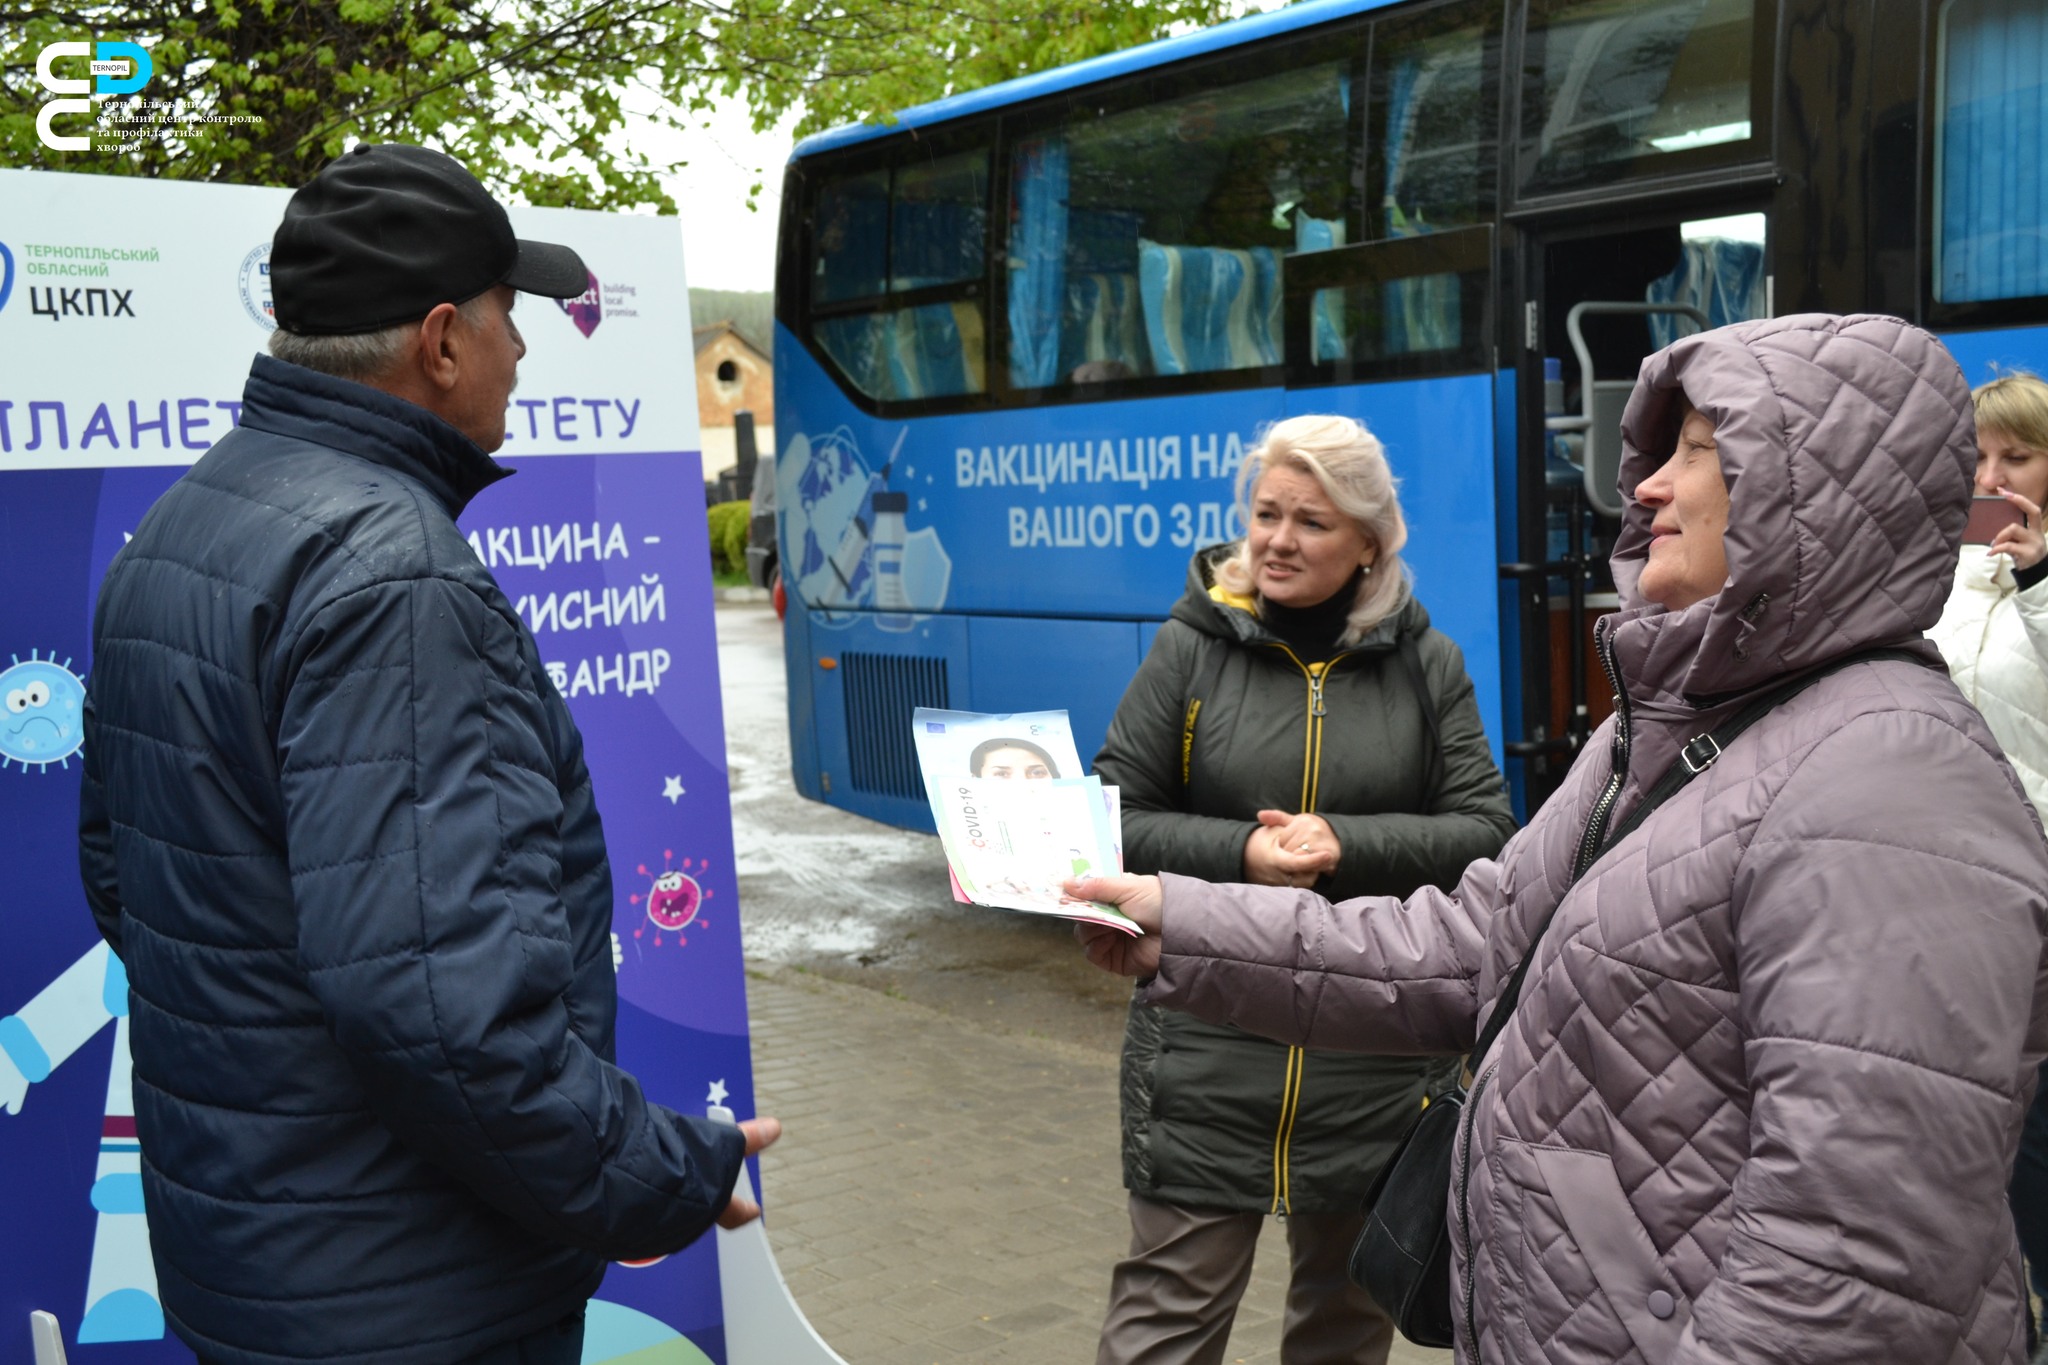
(43, 721)
(673, 898)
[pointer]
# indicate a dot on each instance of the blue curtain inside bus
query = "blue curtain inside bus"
(938, 219)
(1327, 338)
(1038, 262)
(1420, 314)
(1210, 308)
(1721, 277)
(1994, 118)
(931, 351)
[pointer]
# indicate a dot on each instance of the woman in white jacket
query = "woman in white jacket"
(1994, 631)
(1994, 634)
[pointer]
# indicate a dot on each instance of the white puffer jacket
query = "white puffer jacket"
(1995, 638)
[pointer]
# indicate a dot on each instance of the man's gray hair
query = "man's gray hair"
(365, 356)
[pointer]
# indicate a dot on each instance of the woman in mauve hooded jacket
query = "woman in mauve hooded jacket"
(1761, 1092)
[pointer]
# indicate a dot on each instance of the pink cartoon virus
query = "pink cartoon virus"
(673, 898)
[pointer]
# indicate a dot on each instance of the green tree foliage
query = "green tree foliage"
(729, 536)
(533, 96)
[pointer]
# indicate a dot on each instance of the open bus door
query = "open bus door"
(1602, 295)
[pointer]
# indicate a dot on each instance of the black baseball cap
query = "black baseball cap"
(385, 233)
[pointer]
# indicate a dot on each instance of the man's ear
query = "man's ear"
(436, 347)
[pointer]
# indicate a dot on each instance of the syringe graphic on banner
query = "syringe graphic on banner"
(850, 560)
(763, 1325)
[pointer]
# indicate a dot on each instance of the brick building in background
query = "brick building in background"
(733, 375)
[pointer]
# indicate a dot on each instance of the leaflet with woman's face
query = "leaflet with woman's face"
(1026, 746)
(1013, 810)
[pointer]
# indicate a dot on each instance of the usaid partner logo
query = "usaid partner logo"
(118, 68)
(255, 284)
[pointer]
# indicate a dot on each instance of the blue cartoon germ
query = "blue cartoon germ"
(43, 721)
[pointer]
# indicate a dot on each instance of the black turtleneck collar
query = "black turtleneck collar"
(1312, 631)
(290, 400)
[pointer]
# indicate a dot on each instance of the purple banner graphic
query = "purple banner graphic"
(606, 557)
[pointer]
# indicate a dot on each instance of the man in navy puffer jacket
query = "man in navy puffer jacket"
(336, 823)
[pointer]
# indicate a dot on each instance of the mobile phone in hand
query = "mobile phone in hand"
(1989, 516)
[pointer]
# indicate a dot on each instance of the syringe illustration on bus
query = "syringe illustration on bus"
(874, 560)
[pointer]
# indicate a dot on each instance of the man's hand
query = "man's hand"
(1113, 950)
(741, 1210)
(1289, 850)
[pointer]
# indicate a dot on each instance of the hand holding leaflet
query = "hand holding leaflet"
(1014, 819)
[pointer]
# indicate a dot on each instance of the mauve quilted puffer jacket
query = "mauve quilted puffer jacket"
(1762, 1091)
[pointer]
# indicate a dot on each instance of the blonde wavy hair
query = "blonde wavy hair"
(1350, 465)
(2015, 405)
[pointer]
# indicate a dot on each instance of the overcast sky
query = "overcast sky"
(724, 245)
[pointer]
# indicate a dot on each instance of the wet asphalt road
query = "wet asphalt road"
(826, 891)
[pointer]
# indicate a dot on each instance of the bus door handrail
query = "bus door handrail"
(1604, 500)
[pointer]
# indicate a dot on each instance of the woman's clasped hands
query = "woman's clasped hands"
(1290, 850)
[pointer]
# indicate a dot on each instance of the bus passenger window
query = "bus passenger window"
(940, 217)
(1991, 221)
(851, 238)
(914, 228)
(1433, 156)
(1609, 83)
(1150, 240)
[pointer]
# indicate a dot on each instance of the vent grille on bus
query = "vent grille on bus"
(881, 690)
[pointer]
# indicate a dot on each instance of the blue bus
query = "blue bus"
(1025, 335)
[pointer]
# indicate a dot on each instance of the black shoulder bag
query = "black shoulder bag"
(1403, 1257)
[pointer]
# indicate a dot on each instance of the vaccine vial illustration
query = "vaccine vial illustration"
(887, 540)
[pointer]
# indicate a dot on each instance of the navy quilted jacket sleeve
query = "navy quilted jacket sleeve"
(425, 824)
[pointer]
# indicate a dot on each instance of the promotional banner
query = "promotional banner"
(129, 312)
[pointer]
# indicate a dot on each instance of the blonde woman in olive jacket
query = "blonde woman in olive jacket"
(1297, 722)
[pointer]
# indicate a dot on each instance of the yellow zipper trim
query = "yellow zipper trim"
(1283, 1136)
(1319, 674)
(1311, 784)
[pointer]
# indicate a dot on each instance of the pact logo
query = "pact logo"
(118, 68)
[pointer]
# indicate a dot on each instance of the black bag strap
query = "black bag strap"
(1214, 657)
(1698, 755)
(1433, 759)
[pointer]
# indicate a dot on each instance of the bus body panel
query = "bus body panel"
(927, 563)
(1986, 355)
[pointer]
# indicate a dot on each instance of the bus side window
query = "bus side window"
(1430, 120)
(1150, 241)
(1611, 86)
(916, 230)
(1991, 221)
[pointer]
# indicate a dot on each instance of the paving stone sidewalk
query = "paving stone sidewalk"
(947, 1193)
